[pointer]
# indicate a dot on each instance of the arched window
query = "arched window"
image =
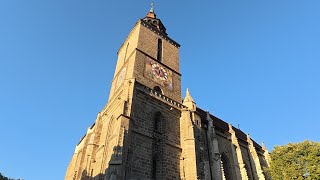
(157, 145)
(225, 167)
(158, 89)
(157, 121)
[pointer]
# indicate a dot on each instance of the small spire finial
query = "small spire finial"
(188, 96)
(152, 6)
(263, 146)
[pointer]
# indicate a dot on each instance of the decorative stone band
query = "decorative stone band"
(155, 30)
(159, 96)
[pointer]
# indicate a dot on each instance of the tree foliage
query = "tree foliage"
(2, 177)
(295, 161)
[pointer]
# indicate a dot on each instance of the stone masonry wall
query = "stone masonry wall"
(148, 142)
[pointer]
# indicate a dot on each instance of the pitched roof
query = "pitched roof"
(219, 123)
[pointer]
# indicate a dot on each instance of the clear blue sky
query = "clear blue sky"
(253, 63)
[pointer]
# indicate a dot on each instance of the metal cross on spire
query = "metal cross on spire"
(152, 6)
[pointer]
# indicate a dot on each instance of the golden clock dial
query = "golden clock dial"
(159, 72)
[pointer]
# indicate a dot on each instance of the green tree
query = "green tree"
(3, 177)
(295, 161)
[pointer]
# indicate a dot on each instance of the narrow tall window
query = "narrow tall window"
(154, 167)
(157, 146)
(157, 121)
(159, 56)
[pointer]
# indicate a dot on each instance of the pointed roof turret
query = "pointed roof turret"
(188, 101)
(188, 97)
(151, 18)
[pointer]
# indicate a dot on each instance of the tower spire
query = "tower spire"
(151, 13)
(151, 18)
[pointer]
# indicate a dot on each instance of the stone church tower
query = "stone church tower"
(146, 131)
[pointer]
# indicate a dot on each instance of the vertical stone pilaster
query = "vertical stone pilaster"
(71, 171)
(124, 143)
(266, 154)
(189, 160)
(240, 170)
(118, 162)
(255, 160)
(214, 153)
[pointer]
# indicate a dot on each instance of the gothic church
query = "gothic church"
(147, 131)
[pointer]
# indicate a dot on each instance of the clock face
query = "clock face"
(121, 77)
(158, 73)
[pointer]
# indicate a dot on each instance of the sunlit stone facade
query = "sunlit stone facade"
(146, 131)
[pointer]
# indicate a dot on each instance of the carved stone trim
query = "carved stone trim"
(159, 96)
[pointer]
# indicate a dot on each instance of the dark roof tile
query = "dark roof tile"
(217, 122)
